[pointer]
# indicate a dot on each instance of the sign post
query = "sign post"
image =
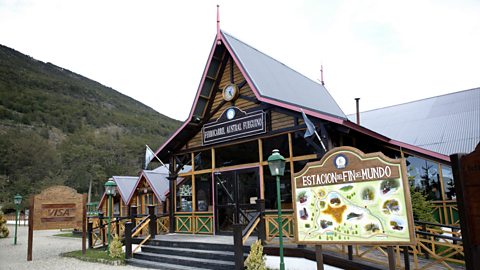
(466, 173)
(57, 207)
(349, 197)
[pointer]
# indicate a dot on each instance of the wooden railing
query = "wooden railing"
(163, 224)
(201, 223)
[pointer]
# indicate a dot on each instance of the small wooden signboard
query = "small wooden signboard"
(57, 207)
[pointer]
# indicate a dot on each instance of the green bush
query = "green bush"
(116, 248)
(3, 226)
(256, 259)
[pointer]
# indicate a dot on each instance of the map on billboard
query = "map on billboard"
(352, 197)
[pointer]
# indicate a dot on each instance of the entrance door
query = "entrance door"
(236, 192)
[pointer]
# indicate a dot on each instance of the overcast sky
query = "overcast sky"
(385, 52)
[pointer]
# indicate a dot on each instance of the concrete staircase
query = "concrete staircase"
(176, 255)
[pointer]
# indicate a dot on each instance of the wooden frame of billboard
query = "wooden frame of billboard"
(363, 157)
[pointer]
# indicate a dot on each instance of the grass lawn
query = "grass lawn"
(94, 255)
(68, 234)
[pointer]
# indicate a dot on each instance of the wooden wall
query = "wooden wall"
(278, 120)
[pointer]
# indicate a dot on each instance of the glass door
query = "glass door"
(235, 195)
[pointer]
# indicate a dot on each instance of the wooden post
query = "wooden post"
(466, 174)
(319, 256)
(405, 258)
(128, 239)
(261, 226)
(238, 246)
(84, 224)
(152, 226)
(30, 229)
(391, 258)
(90, 237)
(101, 227)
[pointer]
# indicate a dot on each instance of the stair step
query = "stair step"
(191, 252)
(188, 261)
(159, 265)
(191, 245)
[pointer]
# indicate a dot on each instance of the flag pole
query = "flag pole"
(320, 139)
(161, 162)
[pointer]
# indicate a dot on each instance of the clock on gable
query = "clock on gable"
(230, 92)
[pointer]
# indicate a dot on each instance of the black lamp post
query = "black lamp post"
(17, 200)
(276, 163)
(110, 191)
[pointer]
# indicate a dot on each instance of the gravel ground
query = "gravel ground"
(46, 252)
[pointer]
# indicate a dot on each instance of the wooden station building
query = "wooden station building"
(246, 105)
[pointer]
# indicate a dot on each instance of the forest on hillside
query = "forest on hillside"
(58, 127)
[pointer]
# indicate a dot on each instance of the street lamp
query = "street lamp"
(17, 200)
(276, 163)
(110, 191)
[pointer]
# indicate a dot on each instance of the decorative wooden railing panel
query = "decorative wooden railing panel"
(272, 227)
(163, 224)
(201, 223)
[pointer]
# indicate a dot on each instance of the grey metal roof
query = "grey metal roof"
(158, 179)
(445, 124)
(277, 81)
(126, 185)
(159, 183)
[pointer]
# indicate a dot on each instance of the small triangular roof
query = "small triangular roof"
(157, 179)
(125, 187)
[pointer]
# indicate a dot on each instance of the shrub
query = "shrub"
(116, 248)
(3, 226)
(256, 259)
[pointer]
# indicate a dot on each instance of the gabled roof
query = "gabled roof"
(273, 83)
(274, 80)
(445, 124)
(125, 186)
(157, 179)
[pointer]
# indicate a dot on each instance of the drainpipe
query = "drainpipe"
(357, 100)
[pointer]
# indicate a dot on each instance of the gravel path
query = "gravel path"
(46, 252)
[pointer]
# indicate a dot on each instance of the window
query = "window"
(300, 145)
(185, 160)
(277, 142)
(423, 177)
(270, 189)
(203, 160)
(448, 183)
(242, 153)
(203, 192)
(184, 195)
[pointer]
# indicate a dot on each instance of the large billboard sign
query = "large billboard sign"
(350, 197)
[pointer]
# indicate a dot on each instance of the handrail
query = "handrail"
(437, 224)
(141, 223)
(141, 243)
(137, 230)
(249, 232)
(439, 236)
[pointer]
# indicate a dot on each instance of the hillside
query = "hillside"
(58, 127)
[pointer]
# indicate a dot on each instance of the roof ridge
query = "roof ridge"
(223, 32)
(418, 100)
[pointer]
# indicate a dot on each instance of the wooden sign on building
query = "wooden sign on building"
(57, 207)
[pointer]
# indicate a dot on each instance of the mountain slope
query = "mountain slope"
(58, 127)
